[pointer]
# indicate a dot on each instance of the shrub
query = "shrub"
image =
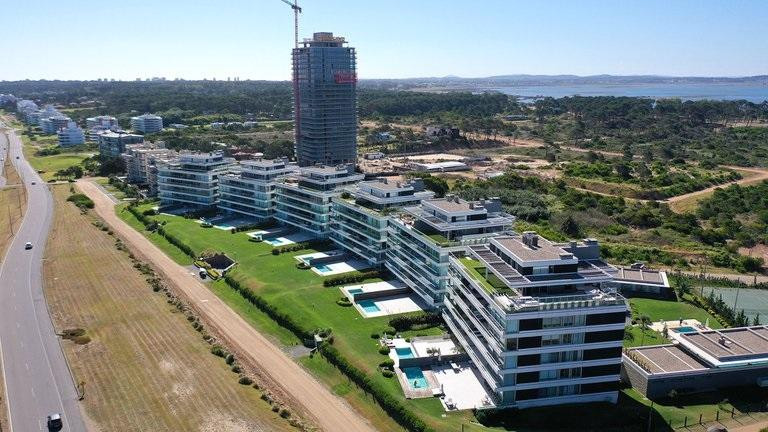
(388, 363)
(81, 201)
(351, 278)
(236, 369)
(284, 413)
(384, 350)
(387, 373)
(244, 380)
(374, 336)
(149, 212)
(218, 351)
(230, 359)
(416, 320)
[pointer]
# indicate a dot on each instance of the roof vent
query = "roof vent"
(531, 239)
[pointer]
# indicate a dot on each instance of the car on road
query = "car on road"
(54, 422)
(17, 157)
(34, 183)
(28, 245)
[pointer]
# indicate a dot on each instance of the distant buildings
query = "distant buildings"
(249, 190)
(147, 123)
(112, 144)
(304, 199)
(324, 73)
(71, 135)
(439, 166)
(141, 162)
(103, 122)
(51, 125)
(191, 181)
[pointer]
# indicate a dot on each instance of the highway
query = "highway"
(37, 378)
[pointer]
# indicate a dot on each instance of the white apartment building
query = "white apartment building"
(536, 321)
(51, 125)
(147, 123)
(249, 189)
(304, 200)
(191, 181)
(112, 144)
(420, 238)
(141, 162)
(360, 215)
(103, 121)
(71, 135)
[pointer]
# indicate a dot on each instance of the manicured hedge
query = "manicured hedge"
(390, 404)
(407, 322)
(280, 317)
(351, 278)
(171, 239)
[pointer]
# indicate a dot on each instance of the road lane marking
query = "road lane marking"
(26, 365)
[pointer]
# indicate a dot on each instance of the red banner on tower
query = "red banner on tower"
(345, 77)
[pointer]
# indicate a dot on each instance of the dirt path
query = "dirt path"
(688, 202)
(330, 412)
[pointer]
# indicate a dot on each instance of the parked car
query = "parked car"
(54, 422)
(34, 183)
(28, 245)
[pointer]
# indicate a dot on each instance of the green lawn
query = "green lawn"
(301, 292)
(643, 338)
(48, 165)
(670, 310)
(278, 280)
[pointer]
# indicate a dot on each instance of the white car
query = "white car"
(28, 245)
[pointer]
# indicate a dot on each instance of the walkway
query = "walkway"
(330, 412)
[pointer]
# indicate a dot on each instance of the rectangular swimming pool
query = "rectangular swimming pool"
(415, 377)
(404, 352)
(322, 269)
(369, 306)
(355, 291)
(686, 329)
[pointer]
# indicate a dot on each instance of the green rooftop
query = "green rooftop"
(476, 270)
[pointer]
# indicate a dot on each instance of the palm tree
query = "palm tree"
(645, 322)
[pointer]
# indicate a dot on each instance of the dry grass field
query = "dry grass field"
(145, 368)
(12, 206)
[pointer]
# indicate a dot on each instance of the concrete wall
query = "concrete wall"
(382, 293)
(690, 382)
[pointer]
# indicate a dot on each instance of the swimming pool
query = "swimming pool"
(322, 268)
(686, 329)
(279, 241)
(369, 306)
(415, 377)
(404, 352)
(355, 291)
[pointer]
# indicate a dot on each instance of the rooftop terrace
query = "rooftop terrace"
(728, 347)
(665, 359)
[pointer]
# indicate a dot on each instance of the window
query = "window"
(563, 321)
(563, 339)
(540, 270)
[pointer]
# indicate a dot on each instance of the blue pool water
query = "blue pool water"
(686, 329)
(368, 306)
(404, 352)
(323, 268)
(274, 242)
(355, 291)
(415, 377)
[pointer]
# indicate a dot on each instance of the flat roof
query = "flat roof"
(544, 251)
(645, 276)
(451, 205)
(727, 347)
(666, 359)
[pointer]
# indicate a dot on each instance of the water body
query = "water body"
(750, 92)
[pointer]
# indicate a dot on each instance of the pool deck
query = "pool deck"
(411, 393)
(342, 267)
(396, 304)
(671, 325)
(462, 388)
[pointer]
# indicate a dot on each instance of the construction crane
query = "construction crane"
(296, 12)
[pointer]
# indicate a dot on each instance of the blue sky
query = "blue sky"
(88, 39)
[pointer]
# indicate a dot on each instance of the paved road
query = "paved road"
(37, 378)
(330, 412)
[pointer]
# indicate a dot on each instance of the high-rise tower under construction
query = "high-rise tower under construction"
(325, 108)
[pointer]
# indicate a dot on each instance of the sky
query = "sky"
(252, 39)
